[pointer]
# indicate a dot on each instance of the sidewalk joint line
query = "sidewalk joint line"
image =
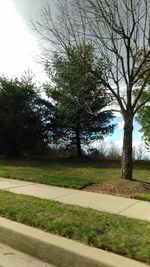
(6, 188)
(128, 207)
(69, 194)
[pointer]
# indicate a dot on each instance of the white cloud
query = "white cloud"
(17, 46)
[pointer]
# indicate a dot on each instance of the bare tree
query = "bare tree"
(118, 29)
(140, 150)
(113, 152)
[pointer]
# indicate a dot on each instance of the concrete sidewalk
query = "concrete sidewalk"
(101, 202)
(10, 257)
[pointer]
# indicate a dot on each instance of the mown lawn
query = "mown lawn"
(72, 173)
(124, 236)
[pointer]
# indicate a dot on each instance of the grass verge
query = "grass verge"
(145, 197)
(72, 173)
(124, 236)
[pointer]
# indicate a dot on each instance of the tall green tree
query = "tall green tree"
(79, 97)
(23, 117)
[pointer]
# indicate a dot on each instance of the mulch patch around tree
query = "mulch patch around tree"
(124, 188)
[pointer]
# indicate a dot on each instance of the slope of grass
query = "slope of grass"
(125, 236)
(71, 173)
(145, 197)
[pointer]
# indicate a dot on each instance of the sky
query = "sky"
(19, 50)
(18, 45)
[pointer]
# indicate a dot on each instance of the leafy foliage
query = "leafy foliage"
(23, 117)
(143, 115)
(144, 119)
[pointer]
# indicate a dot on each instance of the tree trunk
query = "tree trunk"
(127, 149)
(78, 142)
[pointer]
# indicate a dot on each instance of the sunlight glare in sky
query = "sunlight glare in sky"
(18, 47)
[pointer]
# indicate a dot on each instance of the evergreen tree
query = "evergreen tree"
(79, 98)
(23, 117)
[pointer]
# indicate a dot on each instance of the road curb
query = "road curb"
(57, 250)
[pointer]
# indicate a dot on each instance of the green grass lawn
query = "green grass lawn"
(71, 173)
(122, 235)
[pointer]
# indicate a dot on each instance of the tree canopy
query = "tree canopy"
(23, 117)
(143, 115)
(79, 97)
(144, 120)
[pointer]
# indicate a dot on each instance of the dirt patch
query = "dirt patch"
(119, 188)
